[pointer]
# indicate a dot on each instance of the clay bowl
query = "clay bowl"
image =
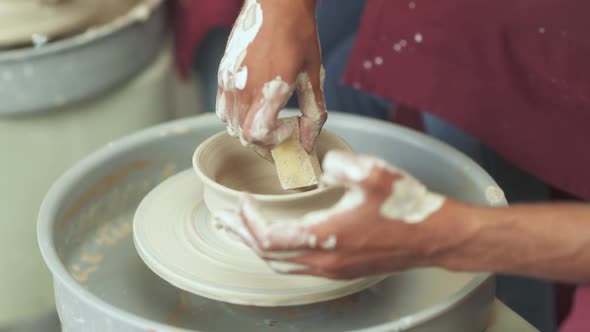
(176, 237)
(227, 169)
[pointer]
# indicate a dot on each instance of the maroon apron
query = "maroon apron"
(192, 19)
(513, 73)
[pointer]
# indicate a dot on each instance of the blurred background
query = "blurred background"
(74, 76)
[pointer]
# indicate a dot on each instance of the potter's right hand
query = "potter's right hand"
(273, 49)
(387, 221)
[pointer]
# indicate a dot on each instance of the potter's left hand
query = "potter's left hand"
(272, 51)
(386, 221)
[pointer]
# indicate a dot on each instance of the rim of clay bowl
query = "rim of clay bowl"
(260, 197)
(103, 45)
(54, 19)
(50, 211)
(136, 14)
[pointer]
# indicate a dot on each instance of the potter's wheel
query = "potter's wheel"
(102, 284)
(174, 235)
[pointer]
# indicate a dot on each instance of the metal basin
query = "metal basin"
(101, 284)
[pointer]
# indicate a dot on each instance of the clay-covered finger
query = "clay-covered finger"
(232, 222)
(312, 105)
(352, 264)
(231, 113)
(278, 134)
(345, 168)
(221, 105)
(286, 267)
(273, 236)
(261, 126)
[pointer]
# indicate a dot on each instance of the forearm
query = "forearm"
(550, 241)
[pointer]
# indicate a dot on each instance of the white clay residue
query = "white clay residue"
(231, 73)
(410, 201)
(305, 88)
(353, 198)
(39, 40)
(241, 78)
(231, 127)
(494, 195)
(231, 221)
(273, 93)
(291, 232)
(287, 232)
(220, 106)
(312, 241)
(337, 165)
(399, 46)
(286, 267)
(313, 110)
(330, 242)
(418, 38)
(322, 78)
(275, 88)
(141, 12)
(242, 139)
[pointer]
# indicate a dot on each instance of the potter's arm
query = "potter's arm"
(388, 221)
(550, 241)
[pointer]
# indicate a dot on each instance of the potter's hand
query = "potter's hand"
(272, 50)
(384, 222)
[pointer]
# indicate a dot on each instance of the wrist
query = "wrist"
(449, 229)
